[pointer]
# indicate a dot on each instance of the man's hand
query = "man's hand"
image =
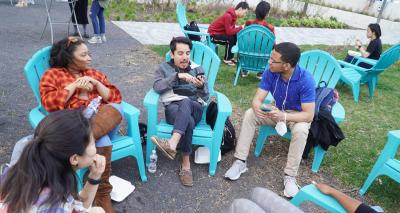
(186, 77)
(97, 167)
(259, 113)
(277, 115)
(199, 81)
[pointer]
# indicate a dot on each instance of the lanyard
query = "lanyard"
(286, 93)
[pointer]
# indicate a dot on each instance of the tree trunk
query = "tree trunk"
(304, 12)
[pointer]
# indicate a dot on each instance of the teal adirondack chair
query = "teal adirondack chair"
(386, 164)
(182, 21)
(312, 194)
(202, 134)
(354, 75)
(324, 68)
(254, 46)
(123, 146)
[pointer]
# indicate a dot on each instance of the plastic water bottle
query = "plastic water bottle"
(92, 107)
(153, 162)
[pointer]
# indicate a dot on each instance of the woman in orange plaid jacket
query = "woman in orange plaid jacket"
(70, 82)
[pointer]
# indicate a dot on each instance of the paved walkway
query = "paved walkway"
(157, 33)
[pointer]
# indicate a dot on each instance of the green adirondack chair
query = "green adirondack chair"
(254, 46)
(123, 146)
(182, 21)
(202, 134)
(386, 164)
(354, 75)
(324, 68)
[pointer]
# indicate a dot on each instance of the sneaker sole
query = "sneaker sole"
(286, 195)
(154, 140)
(238, 176)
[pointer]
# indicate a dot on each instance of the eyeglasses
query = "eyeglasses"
(275, 62)
(71, 39)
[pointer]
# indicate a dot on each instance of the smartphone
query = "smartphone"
(201, 75)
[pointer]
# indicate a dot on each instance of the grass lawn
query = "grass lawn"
(366, 125)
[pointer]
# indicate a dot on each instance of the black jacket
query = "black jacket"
(323, 131)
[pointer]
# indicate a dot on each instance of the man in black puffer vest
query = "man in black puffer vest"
(183, 89)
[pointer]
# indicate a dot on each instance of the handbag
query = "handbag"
(105, 120)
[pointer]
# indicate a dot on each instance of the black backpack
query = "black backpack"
(229, 138)
(193, 27)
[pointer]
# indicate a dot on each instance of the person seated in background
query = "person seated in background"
(71, 83)
(373, 50)
(293, 89)
(262, 10)
(263, 200)
(184, 91)
(42, 177)
(223, 30)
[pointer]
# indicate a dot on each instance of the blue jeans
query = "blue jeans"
(184, 115)
(106, 139)
(96, 11)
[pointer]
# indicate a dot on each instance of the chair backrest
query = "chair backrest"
(255, 44)
(388, 58)
(35, 68)
(207, 59)
(323, 67)
(181, 15)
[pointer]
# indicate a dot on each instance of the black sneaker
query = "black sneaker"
(244, 73)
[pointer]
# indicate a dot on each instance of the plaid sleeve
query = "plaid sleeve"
(115, 94)
(53, 98)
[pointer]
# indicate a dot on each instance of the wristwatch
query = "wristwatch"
(93, 181)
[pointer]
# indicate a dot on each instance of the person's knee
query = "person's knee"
(119, 108)
(249, 115)
(97, 210)
(244, 205)
(185, 106)
(300, 130)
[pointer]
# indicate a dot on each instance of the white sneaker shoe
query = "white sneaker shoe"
(103, 38)
(238, 167)
(95, 40)
(291, 186)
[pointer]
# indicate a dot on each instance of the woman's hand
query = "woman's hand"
(97, 167)
(84, 84)
(324, 188)
(358, 43)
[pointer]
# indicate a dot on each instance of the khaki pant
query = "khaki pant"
(298, 142)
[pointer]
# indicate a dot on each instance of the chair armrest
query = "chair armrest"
(35, 116)
(196, 33)
(338, 113)
(131, 115)
(151, 104)
(151, 100)
(369, 61)
(311, 193)
(223, 104)
(203, 27)
(349, 65)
